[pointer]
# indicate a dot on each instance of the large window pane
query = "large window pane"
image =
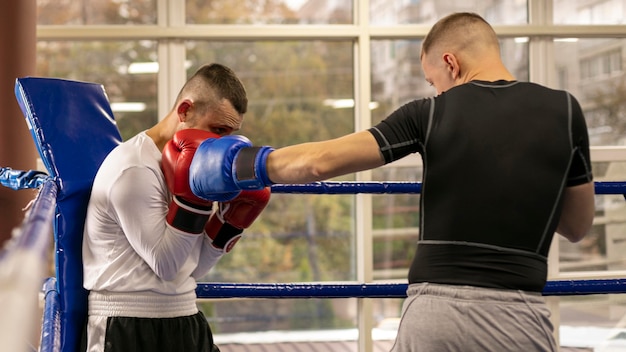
(592, 70)
(269, 12)
(298, 238)
(395, 12)
(89, 12)
(132, 93)
(293, 87)
(589, 12)
(293, 90)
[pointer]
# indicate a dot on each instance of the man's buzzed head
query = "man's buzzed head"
(462, 33)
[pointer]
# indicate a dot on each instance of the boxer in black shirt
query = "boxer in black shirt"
(506, 164)
(494, 176)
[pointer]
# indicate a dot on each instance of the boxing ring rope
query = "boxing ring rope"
(51, 320)
(373, 187)
(24, 260)
(386, 290)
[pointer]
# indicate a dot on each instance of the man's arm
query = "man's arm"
(231, 163)
(164, 248)
(318, 161)
(578, 212)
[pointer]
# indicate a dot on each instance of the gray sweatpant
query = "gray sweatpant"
(463, 318)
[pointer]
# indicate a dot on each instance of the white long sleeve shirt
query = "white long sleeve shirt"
(127, 245)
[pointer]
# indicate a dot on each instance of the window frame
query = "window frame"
(171, 32)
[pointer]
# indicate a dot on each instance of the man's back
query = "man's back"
(497, 157)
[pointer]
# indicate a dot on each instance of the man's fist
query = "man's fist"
(232, 217)
(228, 164)
(187, 212)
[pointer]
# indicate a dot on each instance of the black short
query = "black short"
(190, 334)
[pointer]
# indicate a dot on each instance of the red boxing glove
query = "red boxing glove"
(186, 212)
(232, 217)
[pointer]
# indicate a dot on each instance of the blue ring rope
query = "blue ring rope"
(382, 290)
(350, 187)
(51, 322)
(18, 179)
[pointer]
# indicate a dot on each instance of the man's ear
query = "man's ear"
(452, 64)
(183, 108)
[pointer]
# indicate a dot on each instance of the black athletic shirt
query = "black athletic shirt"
(497, 157)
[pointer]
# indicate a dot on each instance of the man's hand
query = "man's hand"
(186, 212)
(226, 165)
(232, 217)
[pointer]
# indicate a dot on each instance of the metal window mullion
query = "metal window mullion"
(362, 120)
(171, 55)
(608, 153)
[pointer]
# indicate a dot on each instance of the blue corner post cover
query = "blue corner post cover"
(74, 129)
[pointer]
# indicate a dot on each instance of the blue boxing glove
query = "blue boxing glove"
(222, 167)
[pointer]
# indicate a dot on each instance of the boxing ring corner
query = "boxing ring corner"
(74, 129)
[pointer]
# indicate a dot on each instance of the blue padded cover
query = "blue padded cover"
(74, 129)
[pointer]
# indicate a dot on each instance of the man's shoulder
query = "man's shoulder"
(138, 151)
(540, 88)
(136, 147)
(517, 88)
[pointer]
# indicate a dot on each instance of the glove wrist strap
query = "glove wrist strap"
(187, 218)
(250, 166)
(226, 237)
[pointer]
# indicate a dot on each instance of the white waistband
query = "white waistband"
(142, 304)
